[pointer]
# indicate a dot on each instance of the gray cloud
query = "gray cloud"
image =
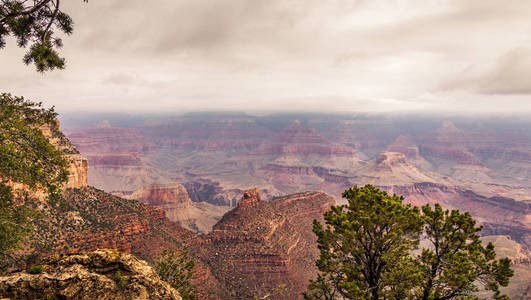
(511, 74)
(340, 55)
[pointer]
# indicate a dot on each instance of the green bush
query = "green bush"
(176, 269)
(120, 280)
(35, 269)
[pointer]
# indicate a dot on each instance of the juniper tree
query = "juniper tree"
(366, 252)
(26, 157)
(33, 24)
(364, 248)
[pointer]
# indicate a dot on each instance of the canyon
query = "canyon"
(243, 204)
(216, 157)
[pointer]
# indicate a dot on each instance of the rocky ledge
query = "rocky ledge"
(102, 274)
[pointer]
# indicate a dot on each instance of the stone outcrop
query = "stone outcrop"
(250, 198)
(157, 194)
(260, 245)
(173, 199)
(102, 274)
(78, 169)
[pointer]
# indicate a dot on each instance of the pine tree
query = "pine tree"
(457, 262)
(365, 247)
(33, 23)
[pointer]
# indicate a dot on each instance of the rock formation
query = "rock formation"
(298, 139)
(78, 169)
(173, 199)
(390, 168)
(260, 245)
(484, 169)
(250, 198)
(102, 274)
(250, 251)
(163, 194)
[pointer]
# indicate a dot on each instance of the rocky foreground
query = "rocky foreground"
(101, 274)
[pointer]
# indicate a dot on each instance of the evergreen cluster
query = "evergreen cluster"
(369, 249)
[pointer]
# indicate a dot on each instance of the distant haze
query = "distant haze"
(447, 57)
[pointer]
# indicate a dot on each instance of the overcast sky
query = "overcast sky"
(460, 56)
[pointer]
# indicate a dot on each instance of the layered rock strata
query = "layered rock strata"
(260, 245)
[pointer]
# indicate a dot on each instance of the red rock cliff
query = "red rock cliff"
(162, 194)
(78, 169)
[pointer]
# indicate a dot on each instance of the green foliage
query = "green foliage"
(120, 280)
(176, 269)
(365, 246)
(457, 260)
(33, 23)
(13, 226)
(366, 252)
(26, 157)
(35, 269)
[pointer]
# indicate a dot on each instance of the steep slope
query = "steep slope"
(253, 249)
(260, 245)
(88, 219)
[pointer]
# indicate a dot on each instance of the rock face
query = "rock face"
(212, 192)
(173, 199)
(102, 274)
(157, 194)
(250, 198)
(78, 169)
(260, 245)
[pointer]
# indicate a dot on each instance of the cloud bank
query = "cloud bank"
(467, 57)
